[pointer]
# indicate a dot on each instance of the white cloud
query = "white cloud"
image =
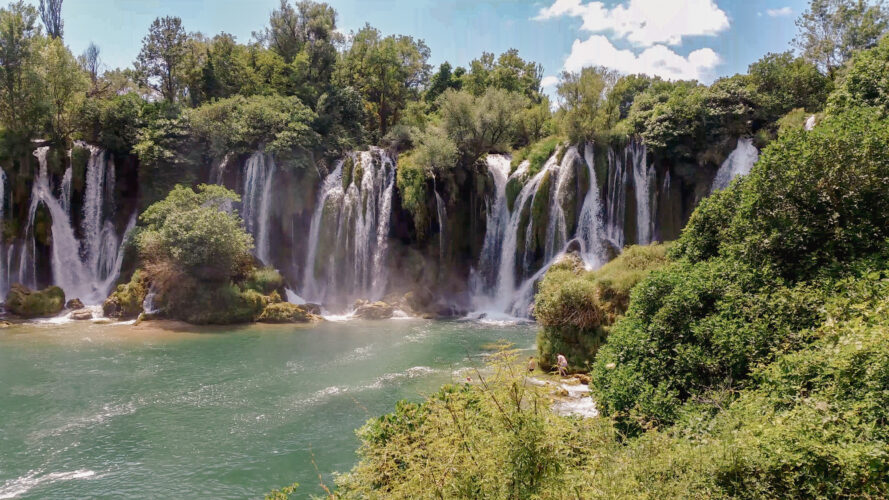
(657, 60)
(644, 22)
(549, 81)
(783, 11)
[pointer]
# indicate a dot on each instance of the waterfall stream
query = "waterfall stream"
(738, 163)
(85, 268)
(257, 199)
(348, 236)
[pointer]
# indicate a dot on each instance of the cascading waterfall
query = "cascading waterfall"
(258, 179)
(738, 163)
(644, 178)
(348, 236)
(589, 226)
(502, 294)
(84, 269)
(616, 204)
(484, 278)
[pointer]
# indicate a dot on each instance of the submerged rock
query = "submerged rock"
(81, 315)
(74, 304)
(373, 310)
(34, 304)
(285, 312)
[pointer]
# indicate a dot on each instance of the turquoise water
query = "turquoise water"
(111, 411)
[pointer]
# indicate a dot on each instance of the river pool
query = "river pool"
(120, 411)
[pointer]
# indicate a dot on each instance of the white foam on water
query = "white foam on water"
(14, 488)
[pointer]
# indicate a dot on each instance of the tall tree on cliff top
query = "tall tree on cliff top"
(831, 30)
(51, 14)
(18, 82)
(305, 37)
(159, 64)
(387, 71)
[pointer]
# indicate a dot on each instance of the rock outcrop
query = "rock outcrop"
(29, 303)
(285, 312)
(373, 310)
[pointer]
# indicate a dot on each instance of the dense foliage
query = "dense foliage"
(751, 361)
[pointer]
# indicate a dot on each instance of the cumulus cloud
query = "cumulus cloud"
(658, 60)
(783, 11)
(644, 23)
(549, 81)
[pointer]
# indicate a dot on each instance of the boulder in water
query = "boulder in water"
(373, 310)
(285, 312)
(312, 308)
(29, 303)
(81, 315)
(74, 304)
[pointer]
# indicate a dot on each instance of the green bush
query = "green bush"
(284, 312)
(575, 308)
(536, 154)
(265, 280)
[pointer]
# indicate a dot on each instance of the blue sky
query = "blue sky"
(675, 38)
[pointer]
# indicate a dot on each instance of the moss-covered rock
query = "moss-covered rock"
(74, 304)
(285, 312)
(29, 303)
(217, 305)
(127, 299)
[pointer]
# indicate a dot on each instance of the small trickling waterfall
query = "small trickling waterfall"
(65, 190)
(616, 199)
(348, 237)
(738, 163)
(257, 198)
(441, 212)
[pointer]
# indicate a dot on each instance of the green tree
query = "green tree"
(508, 72)
(784, 82)
(479, 125)
(65, 85)
(445, 78)
(387, 71)
(160, 61)
(831, 30)
(19, 83)
(582, 97)
(865, 82)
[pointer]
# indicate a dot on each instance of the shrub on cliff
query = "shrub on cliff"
(754, 267)
(575, 307)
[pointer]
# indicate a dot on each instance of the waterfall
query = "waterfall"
(616, 199)
(644, 177)
(84, 269)
(810, 123)
(484, 279)
(509, 289)
(441, 212)
(348, 236)
(738, 163)
(257, 199)
(65, 190)
(217, 170)
(589, 226)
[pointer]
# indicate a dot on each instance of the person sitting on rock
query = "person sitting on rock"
(562, 363)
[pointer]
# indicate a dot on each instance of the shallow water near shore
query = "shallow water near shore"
(148, 411)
